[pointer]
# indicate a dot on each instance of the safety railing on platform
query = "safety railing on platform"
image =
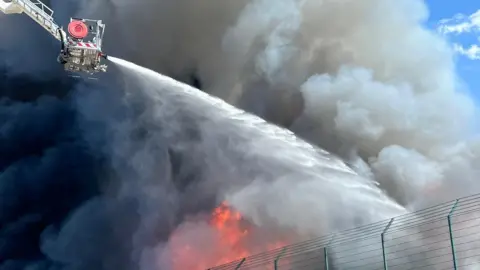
(446, 236)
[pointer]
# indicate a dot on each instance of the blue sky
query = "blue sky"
(459, 21)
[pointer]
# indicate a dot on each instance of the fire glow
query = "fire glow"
(226, 238)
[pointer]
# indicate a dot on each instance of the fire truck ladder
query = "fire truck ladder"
(36, 10)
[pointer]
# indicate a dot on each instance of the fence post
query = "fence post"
(275, 263)
(325, 252)
(325, 255)
(385, 266)
(240, 263)
(450, 232)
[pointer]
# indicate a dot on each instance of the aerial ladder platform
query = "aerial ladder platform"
(81, 48)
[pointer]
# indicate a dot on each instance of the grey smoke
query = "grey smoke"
(278, 181)
(375, 82)
(377, 87)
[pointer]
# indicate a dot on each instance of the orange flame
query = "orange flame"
(229, 242)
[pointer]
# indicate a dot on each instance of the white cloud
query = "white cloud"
(463, 24)
(460, 24)
(472, 52)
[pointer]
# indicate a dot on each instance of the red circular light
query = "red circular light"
(78, 29)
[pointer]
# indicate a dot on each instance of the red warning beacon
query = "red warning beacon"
(77, 29)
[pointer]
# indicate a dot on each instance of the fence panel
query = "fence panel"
(446, 236)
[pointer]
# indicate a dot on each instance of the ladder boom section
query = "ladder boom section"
(40, 13)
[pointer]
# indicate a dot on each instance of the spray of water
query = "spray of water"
(272, 177)
(363, 79)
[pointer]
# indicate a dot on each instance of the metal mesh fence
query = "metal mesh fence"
(446, 236)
